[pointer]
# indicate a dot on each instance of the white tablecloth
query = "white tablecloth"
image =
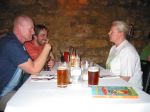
(45, 96)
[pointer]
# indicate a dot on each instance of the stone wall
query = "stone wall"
(83, 24)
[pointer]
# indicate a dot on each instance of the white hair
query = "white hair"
(121, 26)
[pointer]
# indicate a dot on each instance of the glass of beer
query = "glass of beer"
(62, 76)
(93, 75)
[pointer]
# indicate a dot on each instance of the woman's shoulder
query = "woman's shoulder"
(130, 51)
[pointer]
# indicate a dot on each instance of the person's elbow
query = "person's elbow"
(30, 68)
(126, 78)
(32, 71)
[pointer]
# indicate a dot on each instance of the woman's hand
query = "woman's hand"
(126, 78)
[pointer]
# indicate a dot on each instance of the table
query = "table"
(45, 96)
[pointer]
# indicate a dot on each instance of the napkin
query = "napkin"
(42, 76)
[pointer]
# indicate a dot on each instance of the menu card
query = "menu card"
(114, 92)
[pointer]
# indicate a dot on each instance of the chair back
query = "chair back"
(145, 65)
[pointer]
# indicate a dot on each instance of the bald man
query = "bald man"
(13, 57)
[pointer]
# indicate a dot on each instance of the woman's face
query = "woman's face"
(114, 34)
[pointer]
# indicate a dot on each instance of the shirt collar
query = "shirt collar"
(121, 45)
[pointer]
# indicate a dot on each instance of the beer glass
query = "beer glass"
(93, 75)
(62, 76)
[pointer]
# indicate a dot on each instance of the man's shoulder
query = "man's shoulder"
(3, 35)
(7, 37)
(5, 40)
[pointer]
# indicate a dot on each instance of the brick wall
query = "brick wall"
(83, 24)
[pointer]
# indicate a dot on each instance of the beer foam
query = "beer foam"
(62, 68)
(93, 69)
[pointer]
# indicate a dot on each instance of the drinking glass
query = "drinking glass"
(62, 75)
(75, 74)
(93, 75)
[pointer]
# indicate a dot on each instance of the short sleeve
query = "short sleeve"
(127, 63)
